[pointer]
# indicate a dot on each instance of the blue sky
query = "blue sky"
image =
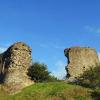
(50, 26)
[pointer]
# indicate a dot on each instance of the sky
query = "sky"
(50, 26)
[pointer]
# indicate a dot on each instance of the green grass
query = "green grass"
(50, 91)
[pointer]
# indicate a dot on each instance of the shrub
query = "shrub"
(39, 73)
(52, 78)
(91, 78)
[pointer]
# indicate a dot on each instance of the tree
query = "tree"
(38, 72)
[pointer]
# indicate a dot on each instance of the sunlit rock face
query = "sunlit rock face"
(14, 66)
(80, 59)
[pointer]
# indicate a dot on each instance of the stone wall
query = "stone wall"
(79, 60)
(14, 64)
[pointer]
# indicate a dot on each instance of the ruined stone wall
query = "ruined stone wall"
(1, 68)
(79, 60)
(14, 66)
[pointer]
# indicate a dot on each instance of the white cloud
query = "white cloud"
(4, 46)
(58, 47)
(60, 71)
(89, 28)
(43, 45)
(53, 46)
(2, 49)
(92, 29)
(99, 55)
(98, 30)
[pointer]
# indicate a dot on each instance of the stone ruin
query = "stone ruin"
(14, 64)
(80, 59)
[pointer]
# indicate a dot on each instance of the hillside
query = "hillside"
(50, 91)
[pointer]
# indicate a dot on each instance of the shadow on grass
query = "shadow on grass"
(95, 95)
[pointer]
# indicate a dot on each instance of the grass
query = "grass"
(50, 91)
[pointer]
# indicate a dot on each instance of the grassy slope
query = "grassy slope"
(50, 91)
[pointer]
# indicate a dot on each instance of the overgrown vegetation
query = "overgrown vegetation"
(39, 73)
(89, 89)
(91, 79)
(50, 91)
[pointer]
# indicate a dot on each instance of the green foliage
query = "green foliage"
(38, 72)
(51, 91)
(52, 78)
(91, 78)
(96, 94)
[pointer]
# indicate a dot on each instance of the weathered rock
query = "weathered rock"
(80, 59)
(14, 66)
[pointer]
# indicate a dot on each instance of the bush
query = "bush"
(39, 73)
(52, 79)
(91, 78)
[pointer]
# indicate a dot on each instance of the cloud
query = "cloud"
(60, 71)
(98, 30)
(2, 49)
(58, 47)
(99, 55)
(4, 46)
(89, 28)
(53, 46)
(92, 29)
(43, 45)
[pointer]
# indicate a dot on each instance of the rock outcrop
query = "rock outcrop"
(14, 64)
(80, 59)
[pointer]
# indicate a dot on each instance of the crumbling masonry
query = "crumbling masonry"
(14, 64)
(80, 59)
